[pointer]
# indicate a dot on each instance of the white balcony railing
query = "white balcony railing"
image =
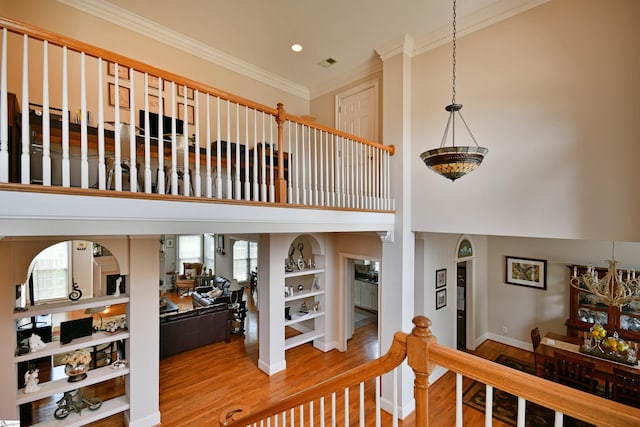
(76, 116)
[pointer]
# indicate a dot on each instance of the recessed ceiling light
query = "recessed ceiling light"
(296, 47)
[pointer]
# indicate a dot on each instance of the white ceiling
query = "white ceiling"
(254, 36)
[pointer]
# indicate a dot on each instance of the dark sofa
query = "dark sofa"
(195, 328)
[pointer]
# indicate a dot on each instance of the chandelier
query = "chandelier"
(455, 161)
(612, 289)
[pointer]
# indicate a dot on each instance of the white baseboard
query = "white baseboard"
(271, 369)
(148, 421)
(523, 345)
(403, 411)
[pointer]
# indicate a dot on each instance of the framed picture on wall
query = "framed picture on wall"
(526, 272)
(441, 298)
(123, 93)
(441, 278)
(123, 72)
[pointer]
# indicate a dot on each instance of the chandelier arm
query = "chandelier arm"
(468, 130)
(446, 130)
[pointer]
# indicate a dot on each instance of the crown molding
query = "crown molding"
(403, 44)
(153, 30)
(481, 19)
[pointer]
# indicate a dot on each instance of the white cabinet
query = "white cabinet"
(305, 299)
(94, 376)
(366, 295)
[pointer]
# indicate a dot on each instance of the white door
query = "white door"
(357, 111)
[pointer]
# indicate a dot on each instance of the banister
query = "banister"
(236, 415)
(569, 401)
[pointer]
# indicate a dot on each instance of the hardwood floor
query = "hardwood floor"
(196, 386)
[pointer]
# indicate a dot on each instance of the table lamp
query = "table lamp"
(96, 310)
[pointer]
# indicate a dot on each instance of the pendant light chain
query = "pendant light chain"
(453, 96)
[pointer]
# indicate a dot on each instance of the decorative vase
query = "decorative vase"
(76, 372)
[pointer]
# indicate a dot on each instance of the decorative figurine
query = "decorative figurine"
(36, 343)
(76, 293)
(31, 381)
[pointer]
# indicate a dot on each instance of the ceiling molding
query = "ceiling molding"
(474, 22)
(403, 44)
(153, 30)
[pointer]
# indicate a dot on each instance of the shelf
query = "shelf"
(47, 389)
(304, 294)
(55, 347)
(305, 272)
(63, 306)
(108, 408)
(295, 318)
(302, 338)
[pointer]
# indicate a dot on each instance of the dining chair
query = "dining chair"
(626, 386)
(574, 371)
(548, 367)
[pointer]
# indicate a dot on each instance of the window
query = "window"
(51, 273)
(245, 259)
(196, 248)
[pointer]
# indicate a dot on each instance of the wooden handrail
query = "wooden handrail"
(237, 415)
(569, 401)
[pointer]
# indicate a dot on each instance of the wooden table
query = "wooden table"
(552, 341)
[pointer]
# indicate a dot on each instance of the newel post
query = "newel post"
(281, 184)
(418, 358)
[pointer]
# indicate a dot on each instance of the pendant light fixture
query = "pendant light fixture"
(455, 161)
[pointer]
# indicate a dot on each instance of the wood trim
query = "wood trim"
(569, 401)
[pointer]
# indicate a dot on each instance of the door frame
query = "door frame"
(345, 300)
(375, 84)
(470, 300)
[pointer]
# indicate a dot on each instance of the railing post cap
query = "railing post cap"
(422, 324)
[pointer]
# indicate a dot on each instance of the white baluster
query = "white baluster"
(301, 410)
(290, 165)
(133, 161)
(346, 407)
(174, 137)
(208, 141)
(272, 188)
(238, 184)
(459, 417)
(4, 113)
(117, 162)
(46, 124)
(333, 410)
(488, 406)
(186, 170)
(297, 166)
(378, 413)
(322, 411)
(84, 122)
(256, 185)
(101, 165)
(218, 155)
(66, 166)
(321, 167)
(521, 411)
(263, 163)
(394, 393)
(292, 417)
(147, 138)
(303, 168)
(228, 152)
(161, 161)
(316, 197)
(25, 158)
(196, 178)
(361, 404)
(247, 182)
(558, 420)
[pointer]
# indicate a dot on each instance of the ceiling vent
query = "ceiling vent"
(327, 62)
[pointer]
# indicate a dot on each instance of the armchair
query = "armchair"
(187, 282)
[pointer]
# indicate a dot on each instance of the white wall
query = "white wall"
(552, 93)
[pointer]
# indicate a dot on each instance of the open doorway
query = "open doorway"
(362, 297)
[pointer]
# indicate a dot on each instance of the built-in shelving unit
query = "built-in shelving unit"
(94, 376)
(305, 287)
